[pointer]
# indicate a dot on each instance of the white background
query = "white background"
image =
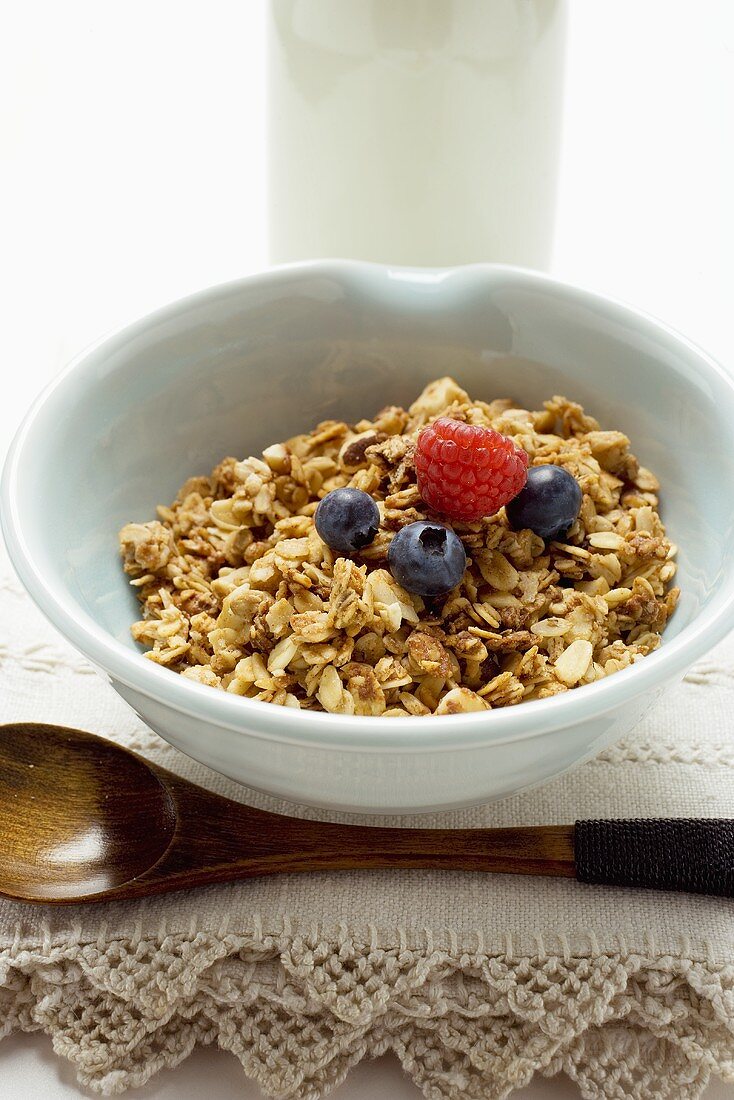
(132, 171)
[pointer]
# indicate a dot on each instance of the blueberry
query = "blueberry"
(427, 558)
(549, 503)
(347, 520)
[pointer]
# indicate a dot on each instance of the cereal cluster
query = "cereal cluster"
(239, 592)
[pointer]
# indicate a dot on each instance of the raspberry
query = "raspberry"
(465, 471)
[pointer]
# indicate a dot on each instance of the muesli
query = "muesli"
(240, 591)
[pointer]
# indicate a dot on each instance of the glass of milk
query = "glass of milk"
(421, 132)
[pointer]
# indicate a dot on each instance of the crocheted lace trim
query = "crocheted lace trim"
(299, 1012)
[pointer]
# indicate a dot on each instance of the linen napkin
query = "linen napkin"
(476, 982)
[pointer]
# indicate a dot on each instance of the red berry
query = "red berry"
(465, 471)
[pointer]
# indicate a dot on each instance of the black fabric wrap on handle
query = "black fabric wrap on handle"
(688, 854)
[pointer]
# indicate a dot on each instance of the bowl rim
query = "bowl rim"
(430, 733)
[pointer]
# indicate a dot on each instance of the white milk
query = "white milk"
(414, 131)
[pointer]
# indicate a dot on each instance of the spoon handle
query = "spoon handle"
(217, 839)
(683, 854)
(221, 840)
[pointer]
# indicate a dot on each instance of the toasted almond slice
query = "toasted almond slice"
(278, 460)
(644, 519)
(460, 700)
(282, 655)
(573, 551)
(331, 693)
(617, 596)
(574, 662)
(497, 570)
(502, 599)
(646, 480)
(392, 616)
(606, 540)
(551, 628)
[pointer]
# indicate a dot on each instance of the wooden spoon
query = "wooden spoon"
(82, 819)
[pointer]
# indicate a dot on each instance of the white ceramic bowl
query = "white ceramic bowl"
(239, 366)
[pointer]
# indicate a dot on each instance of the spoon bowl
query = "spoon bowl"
(94, 816)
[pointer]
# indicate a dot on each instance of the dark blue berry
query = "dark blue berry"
(347, 520)
(549, 503)
(427, 558)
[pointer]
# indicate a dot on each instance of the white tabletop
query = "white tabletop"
(133, 173)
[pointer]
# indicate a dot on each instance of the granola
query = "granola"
(238, 591)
